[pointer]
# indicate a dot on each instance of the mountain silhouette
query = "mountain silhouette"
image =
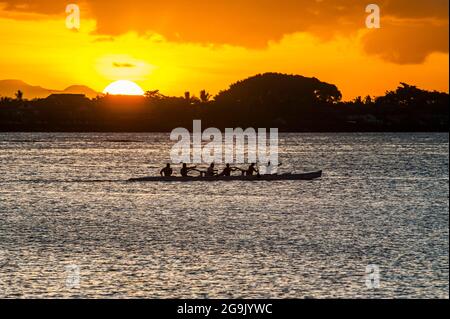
(81, 89)
(8, 88)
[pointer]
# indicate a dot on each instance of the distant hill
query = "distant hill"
(81, 89)
(10, 87)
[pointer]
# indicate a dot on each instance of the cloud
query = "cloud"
(103, 39)
(36, 6)
(406, 43)
(123, 65)
(411, 30)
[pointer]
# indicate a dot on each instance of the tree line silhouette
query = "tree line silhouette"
(292, 103)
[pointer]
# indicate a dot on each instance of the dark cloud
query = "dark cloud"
(419, 9)
(421, 26)
(123, 65)
(406, 43)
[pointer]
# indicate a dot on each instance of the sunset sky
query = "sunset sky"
(180, 45)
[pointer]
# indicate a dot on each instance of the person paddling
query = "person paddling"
(252, 170)
(270, 169)
(166, 171)
(185, 170)
(211, 171)
(227, 170)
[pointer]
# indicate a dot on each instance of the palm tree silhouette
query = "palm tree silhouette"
(205, 97)
(19, 95)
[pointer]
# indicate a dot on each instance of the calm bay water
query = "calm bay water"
(66, 208)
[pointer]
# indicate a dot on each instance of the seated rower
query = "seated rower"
(270, 169)
(251, 170)
(185, 170)
(166, 171)
(211, 171)
(227, 170)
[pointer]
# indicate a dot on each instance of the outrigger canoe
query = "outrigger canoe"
(282, 177)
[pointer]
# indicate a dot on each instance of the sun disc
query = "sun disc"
(123, 87)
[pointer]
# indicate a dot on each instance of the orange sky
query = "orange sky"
(192, 45)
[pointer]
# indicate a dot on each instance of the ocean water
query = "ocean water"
(375, 225)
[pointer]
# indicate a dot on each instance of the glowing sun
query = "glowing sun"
(123, 87)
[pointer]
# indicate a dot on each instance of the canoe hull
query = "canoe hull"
(283, 177)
